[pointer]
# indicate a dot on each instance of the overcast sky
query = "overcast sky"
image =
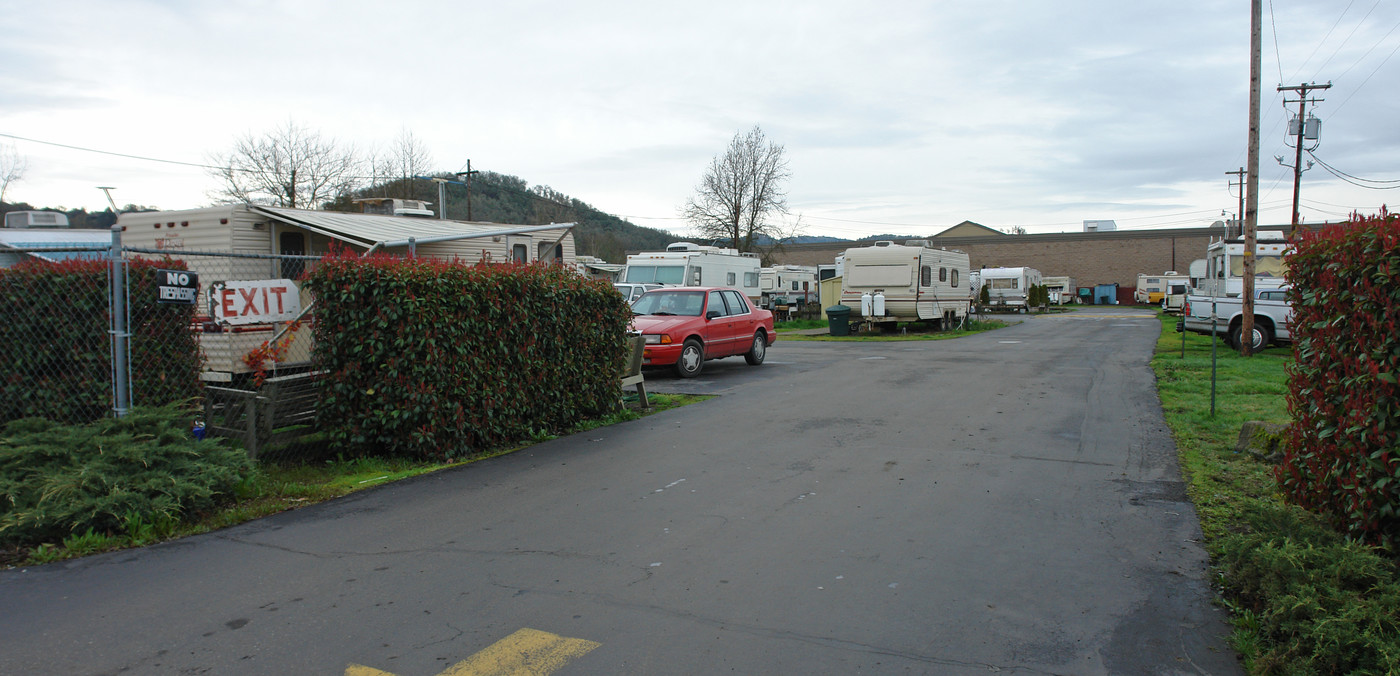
(903, 117)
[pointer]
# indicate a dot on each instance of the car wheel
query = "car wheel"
(692, 359)
(760, 348)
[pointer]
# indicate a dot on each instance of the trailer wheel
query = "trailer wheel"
(692, 359)
(760, 348)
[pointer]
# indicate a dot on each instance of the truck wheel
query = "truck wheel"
(1260, 337)
(692, 359)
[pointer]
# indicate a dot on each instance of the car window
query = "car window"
(716, 304)
(684, 303)
(737, 306)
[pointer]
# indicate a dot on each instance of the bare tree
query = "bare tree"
(290, 166)
(12, 167)
(406, 157)
(740, 191)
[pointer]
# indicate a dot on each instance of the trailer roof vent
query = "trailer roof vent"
(36, 219)
(884, 242)
(683, 246)
(393, 206)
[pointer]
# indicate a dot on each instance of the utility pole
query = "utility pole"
(1239, 174)
(466, 177)
(1251, 209)
(1301, 131)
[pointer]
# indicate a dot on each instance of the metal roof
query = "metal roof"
(390, 231)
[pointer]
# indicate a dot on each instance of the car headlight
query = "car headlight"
(657, 339)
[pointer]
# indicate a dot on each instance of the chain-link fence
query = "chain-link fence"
(226, 333)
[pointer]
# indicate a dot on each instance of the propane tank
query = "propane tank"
(879, 303)
(865, 304)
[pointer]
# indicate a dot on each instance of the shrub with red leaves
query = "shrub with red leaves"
(1342, 456)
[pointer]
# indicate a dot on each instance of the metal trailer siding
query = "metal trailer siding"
(895, 271)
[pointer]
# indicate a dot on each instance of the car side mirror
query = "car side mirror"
(712, 314)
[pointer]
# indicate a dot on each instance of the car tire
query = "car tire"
(691, 360)
(758, 350)
(1261, 336)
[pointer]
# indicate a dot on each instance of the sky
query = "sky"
(895, 117)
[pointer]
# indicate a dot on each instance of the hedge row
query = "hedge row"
(1342, 457)
(438, 360)
(56, 361)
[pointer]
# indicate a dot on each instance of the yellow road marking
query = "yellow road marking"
(528, 652)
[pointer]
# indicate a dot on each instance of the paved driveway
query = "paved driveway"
(1007, 502)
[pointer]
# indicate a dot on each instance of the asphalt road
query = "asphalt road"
(1007, 502)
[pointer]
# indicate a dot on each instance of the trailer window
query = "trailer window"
(292, 244)
(750, 279)
(520, 253)
(926, 275)
(942, 274)
(1264, 266)
(1012, 283)
(955, 276)
(729, 279)
(655, 274)
(551, 250)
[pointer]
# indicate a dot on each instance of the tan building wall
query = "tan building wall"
(1089, 257)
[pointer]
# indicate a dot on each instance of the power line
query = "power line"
(1355, 180)
(114, 154)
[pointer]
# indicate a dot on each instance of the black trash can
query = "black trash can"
(838, 318)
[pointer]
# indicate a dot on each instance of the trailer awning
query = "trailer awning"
(370, 230)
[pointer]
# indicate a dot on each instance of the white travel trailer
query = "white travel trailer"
(1062, 289)
(792, 283)
(888, 283)
(234, 249)
(1152, 288)
(1225, 264)
(1008, 286)
(690, 264)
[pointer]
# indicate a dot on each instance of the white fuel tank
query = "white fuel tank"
(879, 308)
(866, 303)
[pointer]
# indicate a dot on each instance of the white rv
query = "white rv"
(1008, 286)
(1225, 264)
(888, 283)
(232, 249)
(690, 264)
(1062, 289)
(796, 284)
(1152, 288)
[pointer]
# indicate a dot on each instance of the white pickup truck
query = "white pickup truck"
(1273, 318)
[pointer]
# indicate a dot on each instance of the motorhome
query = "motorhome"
(1008, 286)
(1152, 288)
(245, 251)
(795, 284)
(1225, 264)
(690, 264)
(1062, 289)
(887, 283)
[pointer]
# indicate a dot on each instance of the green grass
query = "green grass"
(905, 332)
(1303, 599)
(278, 487)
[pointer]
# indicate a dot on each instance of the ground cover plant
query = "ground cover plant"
(1304, 599)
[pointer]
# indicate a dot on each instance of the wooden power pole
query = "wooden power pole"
(1251, 208)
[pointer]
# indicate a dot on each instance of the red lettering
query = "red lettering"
(226, 302)
(278, 291)
(249, 295)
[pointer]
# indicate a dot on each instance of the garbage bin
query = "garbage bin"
(838, 318)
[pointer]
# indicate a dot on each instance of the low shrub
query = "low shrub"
(116, 475)
(1322, 603)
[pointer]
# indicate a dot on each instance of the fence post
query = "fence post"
(121, 337)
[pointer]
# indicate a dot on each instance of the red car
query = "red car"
(686, 326)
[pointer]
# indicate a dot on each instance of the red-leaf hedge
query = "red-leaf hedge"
(56, 360)
(434, 359)
(1342, 457)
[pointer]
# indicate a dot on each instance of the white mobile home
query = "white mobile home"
(888, 283)
(1225, 264)
(1152, 288)
(689, 264)
(234, 247)
(796, 284)
(1008, 286)
(1062, 289)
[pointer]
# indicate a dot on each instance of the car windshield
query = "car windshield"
(659, 302)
